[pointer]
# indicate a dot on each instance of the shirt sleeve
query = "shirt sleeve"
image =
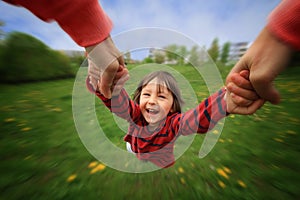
(205, 116)
(284, 22)
(121, 104)
(83, 20)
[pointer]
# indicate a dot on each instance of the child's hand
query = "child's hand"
(120, 78)
(240, 96)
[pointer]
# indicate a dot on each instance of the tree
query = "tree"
(148, 60)
(171, 52)
(127, 57)
(1, 31)
(25, 58)
(194, 56)
(213, 51)
(182, 51)
(225, 52)
(159, 57)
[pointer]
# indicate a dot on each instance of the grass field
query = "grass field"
(42, 156)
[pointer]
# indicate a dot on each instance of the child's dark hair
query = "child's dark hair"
(164, 79)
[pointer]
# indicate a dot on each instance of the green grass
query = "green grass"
(256, 157)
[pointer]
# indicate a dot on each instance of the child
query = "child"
(155, 118)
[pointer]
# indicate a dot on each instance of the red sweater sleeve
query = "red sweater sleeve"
(205, 116)
(284, 22)
(121, 105)
(83, 20)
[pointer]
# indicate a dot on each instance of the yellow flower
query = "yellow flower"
(99, 167)
(9, 120)
(221, 140)
(215, 132)
(221, 172)
(26, 129)
(221, 184)
(278, 140)
(56, 109)
(182, 181)
(226, 169)
(291, 132)
(241, 183)
(180, 170)
(71, 178)
(92, 164)
(232, 116)
(28, 157)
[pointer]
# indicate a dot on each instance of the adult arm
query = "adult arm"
(83, 20)
(271, 51)
(89, 26)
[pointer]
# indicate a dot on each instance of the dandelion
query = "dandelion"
(28, 157)
(221, 172)
(221, 184)
(99, 167)
(182, 181)
(56, 109)
(71, 178)
(93, 164)
(180, 170)
(227, 170)
(278, 140)
(215, 132)
(9, 120)
(232, 116)
(26, 129)
(241, 183)
(22, 101)
(291, 132)
(221, 140)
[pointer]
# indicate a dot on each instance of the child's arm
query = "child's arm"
(120, 103)
(240, 97)
(206, 115)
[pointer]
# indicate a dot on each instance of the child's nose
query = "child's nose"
(152, 100)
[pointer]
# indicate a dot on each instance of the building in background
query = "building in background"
(237, 50)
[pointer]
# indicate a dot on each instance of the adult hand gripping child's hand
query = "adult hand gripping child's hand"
(121, 76)
(105, 62)
(240, 96)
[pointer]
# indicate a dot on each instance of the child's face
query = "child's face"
(155, 104)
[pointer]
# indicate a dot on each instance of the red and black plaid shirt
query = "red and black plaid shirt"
(157, 146)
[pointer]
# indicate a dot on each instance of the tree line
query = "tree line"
(180, 54)
(23, 58)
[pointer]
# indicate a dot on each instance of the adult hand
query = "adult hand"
(121, 76)
(265, 59)
(104, 62)
(244, 101)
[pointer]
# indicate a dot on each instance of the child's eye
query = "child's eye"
(161, 96)
(146, 94)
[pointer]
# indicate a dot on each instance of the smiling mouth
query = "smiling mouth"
(152, 111)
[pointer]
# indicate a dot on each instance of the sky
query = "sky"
(200, 20)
